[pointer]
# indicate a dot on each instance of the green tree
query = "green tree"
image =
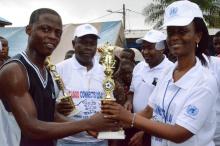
(155, 10)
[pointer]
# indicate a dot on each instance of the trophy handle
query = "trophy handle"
(66, 97)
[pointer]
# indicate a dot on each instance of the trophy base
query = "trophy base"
(111, 135)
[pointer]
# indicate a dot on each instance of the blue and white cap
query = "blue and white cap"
(154, 36)
(181, 13)
(85, 29)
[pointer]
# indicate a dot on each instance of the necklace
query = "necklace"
(165, 114)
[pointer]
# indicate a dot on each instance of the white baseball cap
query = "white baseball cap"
(181, 13)
(152, 36)
(85, 29)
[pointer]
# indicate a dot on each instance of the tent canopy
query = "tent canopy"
(111, 32)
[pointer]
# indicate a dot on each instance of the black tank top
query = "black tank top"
(43, 95)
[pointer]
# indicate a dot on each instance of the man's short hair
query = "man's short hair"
(36, 14)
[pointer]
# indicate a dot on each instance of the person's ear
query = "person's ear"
(73, 43)
(198, 37)
(28, 29)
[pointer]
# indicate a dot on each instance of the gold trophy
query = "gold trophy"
(64, 96)
(108, 61)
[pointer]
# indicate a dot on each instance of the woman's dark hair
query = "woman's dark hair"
(130, 51)
(122, 64)
(126, 62)
(203, 45)
(217, 34)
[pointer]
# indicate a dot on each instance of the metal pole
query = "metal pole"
(124, 14)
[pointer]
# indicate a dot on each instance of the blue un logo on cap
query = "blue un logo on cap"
(192, 110)
(173, 11)
(149, 33)
(88, 27)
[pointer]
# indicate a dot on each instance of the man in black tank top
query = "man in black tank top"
(27, 87)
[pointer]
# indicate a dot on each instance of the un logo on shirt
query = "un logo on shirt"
(173, 11)
(192, 110)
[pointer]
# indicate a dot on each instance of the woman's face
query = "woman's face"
(216, 44)
(182, 40)
(126, 73)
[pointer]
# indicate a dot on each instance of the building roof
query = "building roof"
(111, 32)
(4, 21)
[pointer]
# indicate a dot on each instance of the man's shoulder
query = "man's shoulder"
(140, 65)
(98, 69)
(168, 62)
(12, 66)
(64, 63)
(12, 74)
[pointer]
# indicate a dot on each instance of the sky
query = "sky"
(77, 11)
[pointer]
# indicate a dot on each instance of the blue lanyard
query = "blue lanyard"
(166, 115)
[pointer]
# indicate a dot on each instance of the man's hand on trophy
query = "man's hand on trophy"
(92, 133)
(100, 123)
(64, 107)
(128, 105)
(137, 139)
(115, 111)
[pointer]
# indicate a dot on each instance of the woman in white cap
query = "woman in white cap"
(145, 76)
(181, 107)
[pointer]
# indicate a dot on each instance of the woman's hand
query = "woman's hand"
(113, 110)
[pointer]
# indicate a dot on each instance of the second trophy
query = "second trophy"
(64, 95)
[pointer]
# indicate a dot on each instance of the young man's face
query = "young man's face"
(4, 51)
(126, 73)
(216, 44)
(45, 34)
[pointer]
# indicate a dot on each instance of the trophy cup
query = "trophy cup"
(108, 61)
(64, 96)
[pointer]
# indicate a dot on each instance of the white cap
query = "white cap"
(181, 13)
(160, 45)
(0, 46)
(152, 36)
(85, 29)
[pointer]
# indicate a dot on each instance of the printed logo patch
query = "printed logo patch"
(192, 110)
(173, 11)
(149, 33)
(88, 27)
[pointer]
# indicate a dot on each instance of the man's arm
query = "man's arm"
(58, 117)
(129, 102)
(14, 89)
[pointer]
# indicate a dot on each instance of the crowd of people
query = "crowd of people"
(159, 101)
